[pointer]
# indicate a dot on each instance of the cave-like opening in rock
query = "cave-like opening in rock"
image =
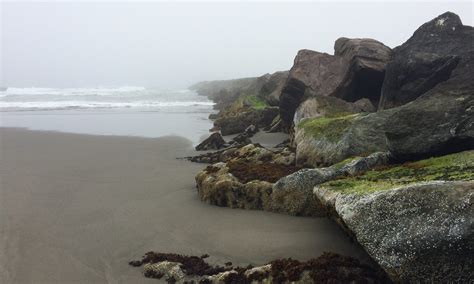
(365, 83)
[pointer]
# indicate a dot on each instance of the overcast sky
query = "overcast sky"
(173, 45)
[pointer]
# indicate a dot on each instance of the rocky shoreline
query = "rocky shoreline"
(380, 140)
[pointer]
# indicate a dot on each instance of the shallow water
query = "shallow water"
(125, 111)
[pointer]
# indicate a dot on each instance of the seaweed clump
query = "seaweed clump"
(328, 268)
(191, 265)
(247, 171)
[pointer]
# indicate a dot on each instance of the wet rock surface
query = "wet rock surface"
(213, 142)
(245, 179)
(328, 268)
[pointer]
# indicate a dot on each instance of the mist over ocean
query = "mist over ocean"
(125, 111)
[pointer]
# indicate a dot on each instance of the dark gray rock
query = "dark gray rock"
(213, 142)
(434, 124)
(262, 118)
(439, 50)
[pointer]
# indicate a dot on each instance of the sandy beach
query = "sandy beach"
(77, 208)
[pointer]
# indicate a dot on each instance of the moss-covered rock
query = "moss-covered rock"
(328, 140)
(414, 232)
(329, 127)
(415, 219)
(459, 166)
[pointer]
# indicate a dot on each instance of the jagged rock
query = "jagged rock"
(217, 186)
(245, 179)
(293, 194)
(244, 102)
(238, 122)
(164, 269)
(439, 50)
(356, 71)
(320, 72)
(214, 157)
(415, 232)
(271, 89)
(244, 137)
(213, 142)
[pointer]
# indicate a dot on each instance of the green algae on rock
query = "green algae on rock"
(459, 166)
(329, 127)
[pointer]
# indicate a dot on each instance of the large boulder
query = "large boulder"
(415, 219)
(436, 123)
(324, 141)
(356, 71)
(438, 51)
(367, 61)
(236, 122)
(415, 233)
(321, 72)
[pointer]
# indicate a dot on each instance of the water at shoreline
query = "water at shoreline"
(125, 111)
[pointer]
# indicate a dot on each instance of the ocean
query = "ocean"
(124, 111)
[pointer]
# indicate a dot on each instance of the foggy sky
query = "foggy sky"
(170, 45)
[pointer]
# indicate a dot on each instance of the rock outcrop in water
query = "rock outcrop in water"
(398, 179)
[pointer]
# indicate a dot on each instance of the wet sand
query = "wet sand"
(77, 208)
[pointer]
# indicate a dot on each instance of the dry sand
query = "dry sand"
(77, 208)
